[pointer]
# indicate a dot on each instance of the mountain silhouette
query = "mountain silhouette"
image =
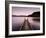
(35, 14)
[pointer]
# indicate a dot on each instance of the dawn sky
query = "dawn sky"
(24, 10)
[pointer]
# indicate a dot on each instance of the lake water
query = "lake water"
(17, 22)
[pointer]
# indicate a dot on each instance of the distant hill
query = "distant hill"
(35, 14)
(19, 16)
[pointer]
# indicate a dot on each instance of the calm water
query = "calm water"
(17, 22)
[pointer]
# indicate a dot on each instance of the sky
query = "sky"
(24, 10)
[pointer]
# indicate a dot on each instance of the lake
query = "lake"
(18, 22)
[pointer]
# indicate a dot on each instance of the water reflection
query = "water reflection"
(19, 22)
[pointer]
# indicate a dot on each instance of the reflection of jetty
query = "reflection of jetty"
(26, 25)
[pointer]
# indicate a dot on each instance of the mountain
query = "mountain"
(19, 16)
(35, 14)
